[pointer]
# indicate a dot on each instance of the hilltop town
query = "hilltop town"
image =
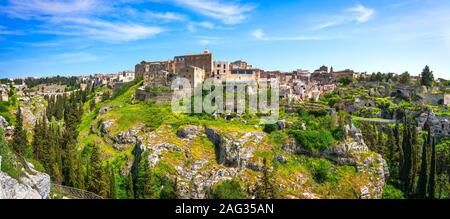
(341, 134)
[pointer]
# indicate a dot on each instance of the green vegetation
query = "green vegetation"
(229, 189)
(314, 141)
(390, 192)
(10, 163)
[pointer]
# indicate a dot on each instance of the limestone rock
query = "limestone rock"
(188, 132)
(33, 185)
(3, 122)
(105, 109)
(281, 124)
(232, 152)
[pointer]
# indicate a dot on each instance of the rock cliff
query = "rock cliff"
(32, 185)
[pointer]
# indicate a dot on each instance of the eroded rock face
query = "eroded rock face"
(354, 152)
(155, 152)
(34, 185)
(232, 152)
(194, 183)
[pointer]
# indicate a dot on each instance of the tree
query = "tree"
(423, 177)
(427, 77)
(130, 187)
(406, 172)
(265, 189)
(346, 80)
(144, 183)
(432, 180)
(92, 105)
(20, 142)
(97, 180)
(405, 78)
(112, 182)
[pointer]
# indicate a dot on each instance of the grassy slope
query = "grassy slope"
(340, 183)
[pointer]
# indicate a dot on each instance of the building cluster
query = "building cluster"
(299, 84)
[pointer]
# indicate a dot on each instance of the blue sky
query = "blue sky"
(73, 37)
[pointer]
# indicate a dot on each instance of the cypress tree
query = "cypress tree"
(423, 177)
(112, 183)
(130, 187)
(407, 162)
(20, 142)
(432, 180)
(97, 183)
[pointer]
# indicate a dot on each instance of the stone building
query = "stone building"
(203, 61)
(240, 65)
(150, 67)
(157, 74)
(195, 75)
(341, 74)
(242, 75)
(323, 69)
(221, 68)
(126, 76)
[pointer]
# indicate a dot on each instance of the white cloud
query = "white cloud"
(85, 18)
(5, 31)
(76, 57)
(227, 12)
(193, 26)
(361, 14)
(102, 30)
(358, 13)
(166, 16)
(260, 35)
(26, 9)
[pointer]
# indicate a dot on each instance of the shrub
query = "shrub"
(269, 128)
(390, 192)
(318, 113)
(322, 171)
(339, 133)
(229, 189)
(313, 140)
(346, 80)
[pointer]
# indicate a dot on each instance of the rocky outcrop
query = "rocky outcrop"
(33, 185)
(105, 109)
(3, 122)
(232, 152)
(188, 132)
(440, 125)
(194, 183)
(155, 151)
(353, 152)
